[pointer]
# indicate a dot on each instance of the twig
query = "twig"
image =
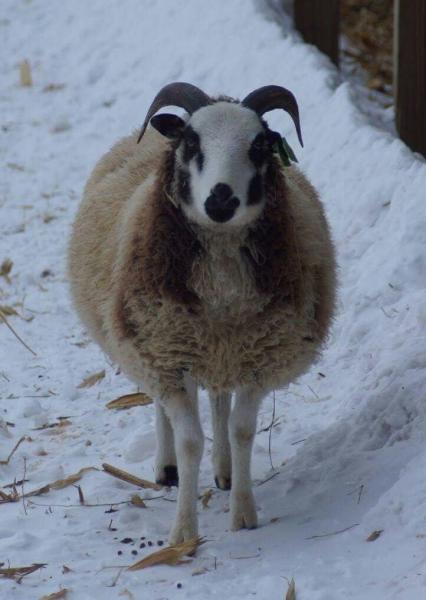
(270, 432)
(86, 505)
(123, 475)
(268, 478)
(6, 322)
(80, 495)
(361, 489)
(324, 535)
(22, 486)
(6, 462)
(298, 441)
(314, 393)
(117, 577)
(244, 557)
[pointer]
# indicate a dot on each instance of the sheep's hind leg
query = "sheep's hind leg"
(182, 411)
(242, 428)
(220, 407)
(166, 472)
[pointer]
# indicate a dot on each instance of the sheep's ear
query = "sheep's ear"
(171, 126)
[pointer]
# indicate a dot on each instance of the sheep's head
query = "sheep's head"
(222, 151)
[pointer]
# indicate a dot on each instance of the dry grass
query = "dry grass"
(206, 497)
(12, 452)
(92, 380)
(25, 76)
(5, 269)
(129, 401)
(291, 591)
(368, 24)
(56, 595)
(18, 573)
(18, 337)
(129, 478)
(55, 485)
(172, 555)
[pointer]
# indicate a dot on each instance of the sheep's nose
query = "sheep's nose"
(221, 204)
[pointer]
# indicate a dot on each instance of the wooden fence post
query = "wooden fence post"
(410, 72)
(318, 22)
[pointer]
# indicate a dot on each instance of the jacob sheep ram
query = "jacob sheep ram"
(196, 259)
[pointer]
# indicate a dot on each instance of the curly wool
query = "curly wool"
(163, 296)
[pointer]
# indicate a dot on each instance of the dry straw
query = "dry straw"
(92, 379)
(129, 478)
(172, 555)
(129, 401)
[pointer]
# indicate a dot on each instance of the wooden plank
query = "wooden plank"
(410, 72)
(318, 22)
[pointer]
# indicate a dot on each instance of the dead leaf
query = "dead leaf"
(66, 569)
(12, 497)
(53, 87)
(172, 555)
(15, 166)
(62, 483)
(206, 497)
(123, 475)
(199, 571)
(60, 423)
(5, 269)
(374, 535)
(291, 592)
(25, 77)
(130, 400)
(56, 595)
(92, 379)
(136, 500)
(7, 310)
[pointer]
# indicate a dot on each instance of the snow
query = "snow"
(348, 445)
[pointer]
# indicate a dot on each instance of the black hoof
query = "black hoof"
(171, 476)
(224, 483)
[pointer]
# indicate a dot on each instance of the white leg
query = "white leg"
(242, 428)
(182, 411)
(166, 471)
(220, 407)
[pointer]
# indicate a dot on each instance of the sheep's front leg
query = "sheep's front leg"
(220, 407)
(242, 428)
(166, 471)
(182, 411)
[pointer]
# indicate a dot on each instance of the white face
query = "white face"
(221, 161)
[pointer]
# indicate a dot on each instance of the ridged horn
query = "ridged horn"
(185, 95)
(269, 97)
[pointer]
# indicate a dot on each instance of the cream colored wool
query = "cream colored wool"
(239, 337)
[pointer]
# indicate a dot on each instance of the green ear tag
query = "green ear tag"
(286, 154)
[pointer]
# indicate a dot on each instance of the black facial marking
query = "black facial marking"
(255, 190)
(184, 186)
(191, 144)
(259, 150)
(200, 160)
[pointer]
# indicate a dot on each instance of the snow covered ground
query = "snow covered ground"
(348, 445)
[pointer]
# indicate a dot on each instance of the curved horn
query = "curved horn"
(268, 97)
(184, 95)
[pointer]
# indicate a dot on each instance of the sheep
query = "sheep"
(198, 260)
